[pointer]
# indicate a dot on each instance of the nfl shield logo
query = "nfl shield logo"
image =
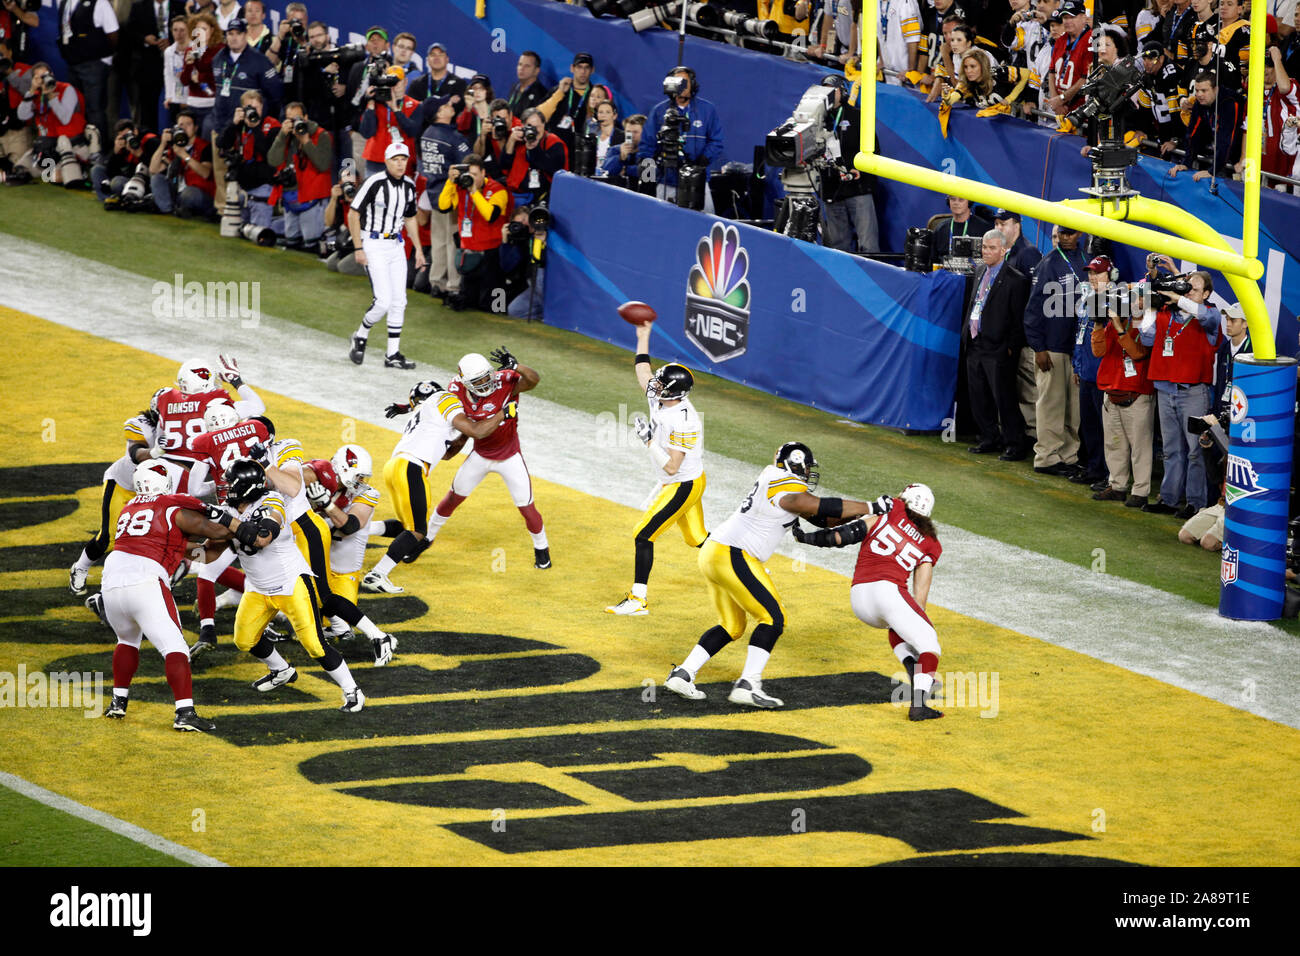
(1228, 568)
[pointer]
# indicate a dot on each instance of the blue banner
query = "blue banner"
(858, 338)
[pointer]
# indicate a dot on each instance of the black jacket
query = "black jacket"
(1002, 329)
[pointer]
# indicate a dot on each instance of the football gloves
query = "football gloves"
(246, 535)
(511, 410)
(318, 496)
(799, 534)
(504, 359)
(643, 428)
(230, 370)
(396, 408)
(258, 452)
(882, 505)
(218, 514)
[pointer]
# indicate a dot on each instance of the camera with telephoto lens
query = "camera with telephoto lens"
(736, 20)
(252, 115)
(531, 135)
(133, 142)
(464, 178)
(300, 127)
(381, 80)
(180, 137)
(349, 190)
(49, 83)
(670, 134)
(286, 177)
(518, 232)
(297, 30)
(344, 56)
(500, 127)
(1178, 285)
(539, 218)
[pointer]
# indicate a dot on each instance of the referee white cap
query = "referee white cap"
(396, 149)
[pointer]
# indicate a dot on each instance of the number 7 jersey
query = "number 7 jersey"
(893, 548)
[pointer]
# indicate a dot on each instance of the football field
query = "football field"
(521, 723)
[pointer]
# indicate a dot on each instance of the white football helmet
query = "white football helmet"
(919, 498)
(152, 478)
(220, 415)
(352, 464)
(476, 372)
(197, 376)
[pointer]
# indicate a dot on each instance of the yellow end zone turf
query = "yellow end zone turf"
(520, 724)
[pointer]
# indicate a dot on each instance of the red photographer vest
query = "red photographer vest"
(1112, 374)
(1193, 359)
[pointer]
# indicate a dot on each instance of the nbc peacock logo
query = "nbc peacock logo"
(717, 295)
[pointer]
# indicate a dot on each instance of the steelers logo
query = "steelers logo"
(1237, 406)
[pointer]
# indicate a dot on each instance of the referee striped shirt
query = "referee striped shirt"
(384, 204)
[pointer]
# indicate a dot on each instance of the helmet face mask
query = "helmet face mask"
(422, 392)
(476, 373)
(220, 415)
(353, 466)
(245, 480)
(672, 383)
(197, 376)
(152, 478)
(919, 498)
(797, 458)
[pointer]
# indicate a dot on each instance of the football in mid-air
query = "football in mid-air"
(637, 313)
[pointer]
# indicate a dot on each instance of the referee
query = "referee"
(382, 204)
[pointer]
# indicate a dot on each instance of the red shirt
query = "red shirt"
(180, 420)
(1193, 360)
(1070, 63)
(1112, 374)
(893, 548)
(220, 449)
(503, 442)
(146, 528)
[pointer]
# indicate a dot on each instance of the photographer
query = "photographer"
(16, 137)
(476, 118)
(245, 146)
(55, 111)
(375, 62)
(302, 155)
(441, 147)
(319, 81)
(491, 146)
(621, 166)
(389, 117)
(1182, 334)
(181, 170)
(291, 38)
(523, 258)
(1128, 409)
(111, 173)
(847, 192)
(695, 138)
(1097, 297)
(237, 70)
(342, 254)
(544, 153)
(1213, 139)
(478, 205)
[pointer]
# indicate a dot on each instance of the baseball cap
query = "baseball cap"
(380, 30)
(396, 71)
(435, 46)
(1234, 311)
(1071, 8)
(1101, 264)
(1153, 49)
(396, 149)
(237, 25)
(1056, 16)
(480, 78)
(1002, 214)
(583, 58)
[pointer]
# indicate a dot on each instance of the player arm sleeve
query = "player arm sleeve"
(843, 536)
(349, 527)
(198, 477)
(250, 403)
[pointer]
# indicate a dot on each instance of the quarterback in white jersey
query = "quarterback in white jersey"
(437, 431)
(739, 586)
(278, 579)
(674, 437)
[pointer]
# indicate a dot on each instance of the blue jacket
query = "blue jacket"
(1050, 321)
(252, 71)
(614, 167)
(701, 141)
(1223, 372)
(1023, 257)
(1085, 364)
(441, 146)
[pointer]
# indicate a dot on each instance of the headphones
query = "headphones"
(695, 84)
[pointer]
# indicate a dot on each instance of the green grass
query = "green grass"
(1004, 501)
(32, 834)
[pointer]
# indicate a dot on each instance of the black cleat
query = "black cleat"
(187, 719)
(207, 642)
(909, 664)
(116, 709)
(922, 712)
(541, 558)
(398, 360)
(422, 547)
(358, 351)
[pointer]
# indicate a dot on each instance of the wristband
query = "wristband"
(830, 507)
(658, 456)
(641, 357)
(224, 519)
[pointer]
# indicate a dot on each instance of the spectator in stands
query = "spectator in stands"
(898, 43)
(1213, 138)
(477, 212)
(441, 147)
(1041, 60)
(1205, 59)
(175, 94)
(260, 36)
(621, 165)
(566, 107)
(992, 334)
(248, 141)
(1176, 29)
(991, 91)
(113, 169)
(1147, 26)
(1280, 105)
(438, 80)
(1071, 60)
(839, 31)
(790, 16)
(850, 206)
(16, 136)
(148, 31)
(1128, 406)
(285, 46)
(1094, 300)
(959, 41)
(196, 77)
(937, 21)
(58, 118)
(476, 117)
(88, 38)
(1050, 331)
(963, 223)
(544, 153)
(301, 145)
(1161, 92)
(528, 91)
(394, 119)
(702, 141)
(225, 11)
(1022, 33)
(608, 135)
(1182, 335)
(404, 56)
(181, 176)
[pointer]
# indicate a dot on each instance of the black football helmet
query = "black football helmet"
(245, 481)
(423, 391)
(270, 426)
(672, 382)
(797, 458)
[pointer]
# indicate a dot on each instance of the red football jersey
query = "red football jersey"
(180, 420)
(503, 442)
(145, 528)
(220, 449)
(1070, 63)
(325, 474)
(893, 549)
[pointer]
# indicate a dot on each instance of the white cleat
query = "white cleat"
(384, 648)
(353, 700)
(680, 683)
(96, 603)
(376, 583)
(631, 606)
(228, 598)
(339, 630)
(752, 695)
(77, 581)
(274, 679)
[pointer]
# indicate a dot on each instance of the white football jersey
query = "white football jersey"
(430, 432)
(273, 570)
(288, 456)
(137, 428)
(678, 428)
(758, 525)
(348, 554)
